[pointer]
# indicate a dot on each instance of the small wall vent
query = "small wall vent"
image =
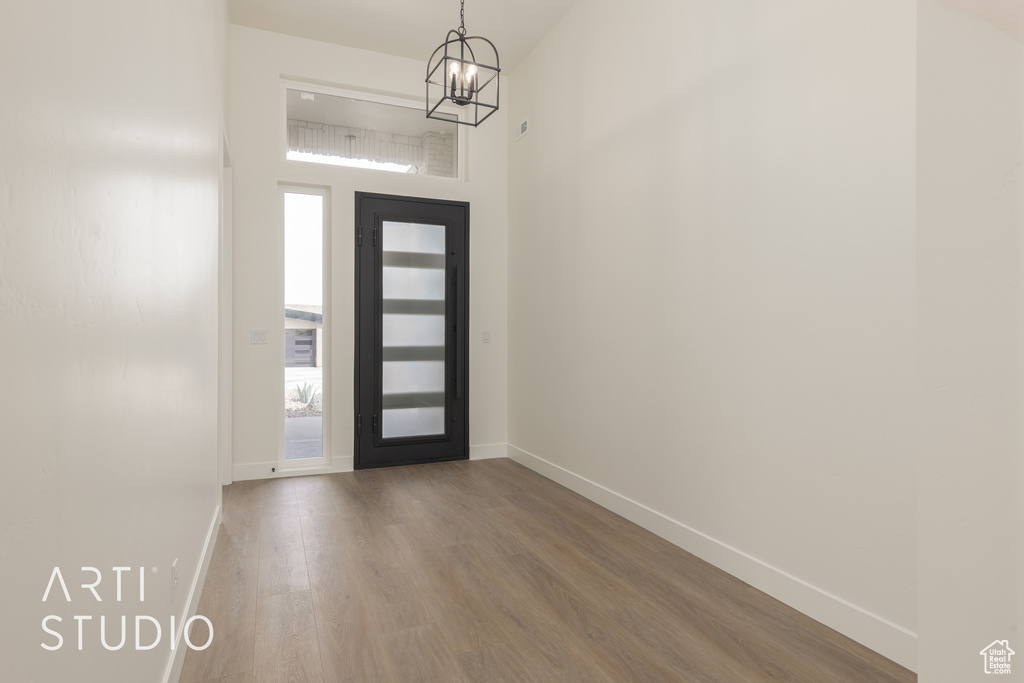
(522, 129)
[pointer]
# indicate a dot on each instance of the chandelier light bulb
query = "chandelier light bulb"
(455, 74)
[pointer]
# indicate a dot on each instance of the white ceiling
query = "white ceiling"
(1005, 15)
(407, 28)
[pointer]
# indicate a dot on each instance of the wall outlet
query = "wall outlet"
(522, 129)
(258, 337)
(174, 579)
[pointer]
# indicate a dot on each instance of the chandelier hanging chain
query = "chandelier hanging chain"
(462, 19)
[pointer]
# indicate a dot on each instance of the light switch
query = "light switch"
(487, 336)
(258, 337)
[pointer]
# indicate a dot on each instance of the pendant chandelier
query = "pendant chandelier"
(460, 72)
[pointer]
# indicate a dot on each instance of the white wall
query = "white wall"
(259, 60)
(971, 344)
(712, 282)
(110, 141)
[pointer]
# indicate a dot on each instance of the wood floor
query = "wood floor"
(483, 571)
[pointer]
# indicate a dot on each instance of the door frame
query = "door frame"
(363, 237)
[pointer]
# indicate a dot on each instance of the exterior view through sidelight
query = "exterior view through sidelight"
(412, 309)
(305, 333)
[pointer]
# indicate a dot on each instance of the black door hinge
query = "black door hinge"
(359, 237)
(374, 424)
(359, 424)
(375, 235)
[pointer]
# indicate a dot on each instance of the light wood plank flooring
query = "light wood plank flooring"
(483, 571)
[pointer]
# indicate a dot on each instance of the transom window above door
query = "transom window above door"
(346, 131)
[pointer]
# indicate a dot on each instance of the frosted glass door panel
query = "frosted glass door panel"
(413, 283)
(413, 329)
(413, 422)
(413, 237)
(412, 377)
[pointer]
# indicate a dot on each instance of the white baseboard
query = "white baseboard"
(173, 670)
(871, 630)
(262, 470)
(488, 451)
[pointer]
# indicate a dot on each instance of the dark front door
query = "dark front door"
(412, 309)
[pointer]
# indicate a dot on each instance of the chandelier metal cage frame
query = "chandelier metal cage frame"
(457, 76)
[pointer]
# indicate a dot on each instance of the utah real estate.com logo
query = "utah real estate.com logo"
(997, 657)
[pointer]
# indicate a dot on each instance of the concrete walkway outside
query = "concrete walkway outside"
(303, 437)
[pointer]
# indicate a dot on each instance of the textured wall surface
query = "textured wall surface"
(970, 254)
(711, 283)
(110, 142)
